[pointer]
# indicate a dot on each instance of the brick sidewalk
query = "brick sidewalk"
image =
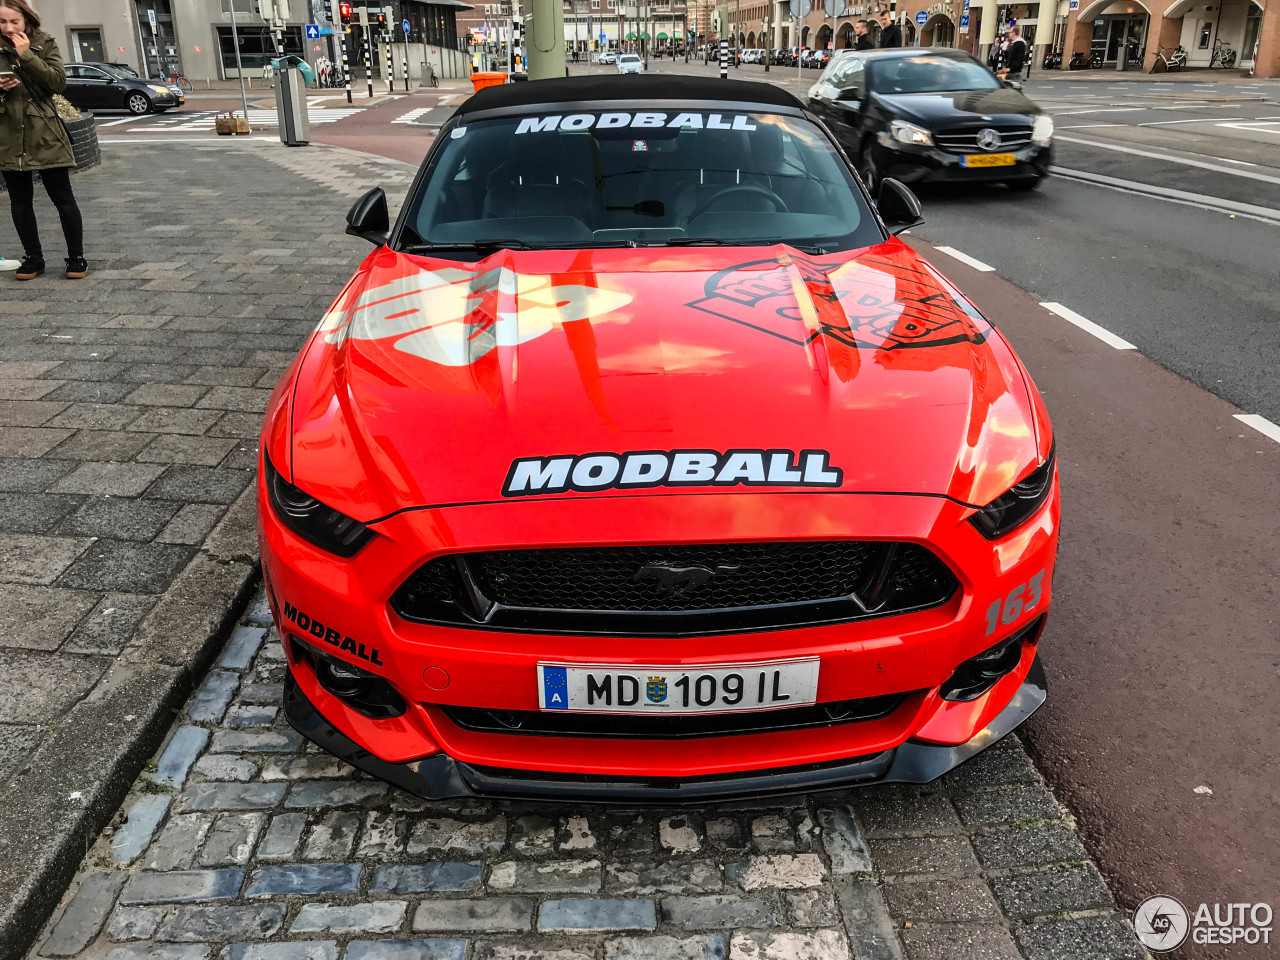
(130, 404)
(244, 843)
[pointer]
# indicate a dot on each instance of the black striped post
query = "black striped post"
(724, 59)
(391, 67)
(346, 60)
(368, 69)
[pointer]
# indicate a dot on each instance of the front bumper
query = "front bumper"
(435, 668)
(441, 777)
(911, 164)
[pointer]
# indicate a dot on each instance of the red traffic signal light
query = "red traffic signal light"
(382, 19)
(344, 13)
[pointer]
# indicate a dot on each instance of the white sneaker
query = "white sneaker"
(7, 265)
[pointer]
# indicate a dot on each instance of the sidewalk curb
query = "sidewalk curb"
(82, 773)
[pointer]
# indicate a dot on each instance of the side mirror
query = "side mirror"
(849, 93)
(368, 217)
(899, 207)
(1012, 84)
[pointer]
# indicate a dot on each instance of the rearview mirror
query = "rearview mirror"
(899, 207)
(368, 217)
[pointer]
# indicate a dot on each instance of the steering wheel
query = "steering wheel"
(779, 205)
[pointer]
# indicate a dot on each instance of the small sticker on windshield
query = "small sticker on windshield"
(457, 133)
(639, 146)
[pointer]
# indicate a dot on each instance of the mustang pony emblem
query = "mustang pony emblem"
(673, 581)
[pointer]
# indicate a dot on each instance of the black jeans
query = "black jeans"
(22, 192)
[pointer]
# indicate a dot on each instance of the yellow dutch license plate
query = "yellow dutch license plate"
(989, 160)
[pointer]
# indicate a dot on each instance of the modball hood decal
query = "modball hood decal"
(671, 468)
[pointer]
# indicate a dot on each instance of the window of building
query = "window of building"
(257, 48)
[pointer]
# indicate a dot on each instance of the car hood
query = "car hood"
(992, 106)
(428, 379)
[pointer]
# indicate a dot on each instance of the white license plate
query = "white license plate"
(720, 688)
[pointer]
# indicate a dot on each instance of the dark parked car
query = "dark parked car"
(99, 86)
(932, 115)
(127, 72)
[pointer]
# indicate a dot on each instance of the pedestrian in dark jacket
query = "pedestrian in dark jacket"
(1015, 54)
(890, 32)
(863, 42)
(32, 138)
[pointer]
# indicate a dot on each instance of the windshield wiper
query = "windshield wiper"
(761, 242)
(509, 244)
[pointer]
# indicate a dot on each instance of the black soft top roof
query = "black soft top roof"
(629, 88)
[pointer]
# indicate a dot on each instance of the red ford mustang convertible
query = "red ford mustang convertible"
(642, 461)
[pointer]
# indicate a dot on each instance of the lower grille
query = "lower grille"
(677, 589)
(688, 727)
(965, 139)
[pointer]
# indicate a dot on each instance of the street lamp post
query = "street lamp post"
(768, 35)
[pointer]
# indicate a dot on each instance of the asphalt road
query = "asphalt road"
(1162, 647)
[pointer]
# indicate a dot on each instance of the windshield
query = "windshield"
(117, 69)
(639, 178)
(927, 75)
(630, 58)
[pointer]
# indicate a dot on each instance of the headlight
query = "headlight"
(312, 520)
(1042, 129)
(909, 133)
(1015, 507)
(160, 90)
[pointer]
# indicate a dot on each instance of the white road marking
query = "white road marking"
(116, 123)
(1255, 126)
(1261, 424)
(1166, 123)
(413, 115)
(130, 141)
(1090, 126)
(1185, 161)
(1088, 326)
(965, 258)
(1269, 215)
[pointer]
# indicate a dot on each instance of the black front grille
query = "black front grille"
(677, 589)
(686, 727)
(965, 139)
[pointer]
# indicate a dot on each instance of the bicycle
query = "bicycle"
(177, 79)
(1223, 55)
(1169, 64)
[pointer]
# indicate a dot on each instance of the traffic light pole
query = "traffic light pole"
(344, 27)
(391, 66)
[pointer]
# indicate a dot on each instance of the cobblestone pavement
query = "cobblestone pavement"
(241, 841)
(130, 403)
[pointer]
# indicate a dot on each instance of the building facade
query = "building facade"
(195, 36)
(1123, 32)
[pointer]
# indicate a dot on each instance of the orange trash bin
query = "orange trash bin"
(481, 80)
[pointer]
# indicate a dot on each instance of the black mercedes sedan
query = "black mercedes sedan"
(97, 86)
(932, 114)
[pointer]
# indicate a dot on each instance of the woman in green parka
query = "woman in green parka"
(33, 139)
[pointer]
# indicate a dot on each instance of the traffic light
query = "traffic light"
(382, 21)
(344, 13)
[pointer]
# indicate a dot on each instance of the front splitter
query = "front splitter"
(440, 776)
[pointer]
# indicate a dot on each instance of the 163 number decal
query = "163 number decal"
(1023, 597)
